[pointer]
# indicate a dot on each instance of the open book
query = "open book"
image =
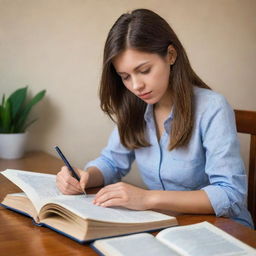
(193, 240)
(75, 215)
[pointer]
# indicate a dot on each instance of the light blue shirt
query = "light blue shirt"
(211, 161)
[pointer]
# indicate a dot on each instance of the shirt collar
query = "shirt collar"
(149, 117)
(149, 113)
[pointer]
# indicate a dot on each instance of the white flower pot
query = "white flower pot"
(12, 145)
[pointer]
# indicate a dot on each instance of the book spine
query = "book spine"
(63, 233)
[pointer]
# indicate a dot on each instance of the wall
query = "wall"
(57, 45)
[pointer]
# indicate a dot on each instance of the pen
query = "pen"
(74, 174)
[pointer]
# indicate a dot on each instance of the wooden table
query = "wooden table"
(18, 236)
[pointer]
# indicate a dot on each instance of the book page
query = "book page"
(39, 187)
(203, 239)
(139, 245)
(21, 203)
(20, 194)
(83, 207)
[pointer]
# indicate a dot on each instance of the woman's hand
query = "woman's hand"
(122, 194)
(69, 185)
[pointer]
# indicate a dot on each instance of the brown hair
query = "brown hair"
(146, 31)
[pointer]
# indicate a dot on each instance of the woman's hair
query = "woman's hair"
(145, 31)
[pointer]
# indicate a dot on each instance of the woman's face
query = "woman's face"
(145, 74)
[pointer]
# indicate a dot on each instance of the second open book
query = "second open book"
(202, 239)
(75, 215)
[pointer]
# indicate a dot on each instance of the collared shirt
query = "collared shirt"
(211, 161)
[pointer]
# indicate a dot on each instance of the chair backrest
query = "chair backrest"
(246, 123)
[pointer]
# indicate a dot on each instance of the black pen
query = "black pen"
(74, 174)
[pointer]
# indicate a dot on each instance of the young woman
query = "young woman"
(181, 133)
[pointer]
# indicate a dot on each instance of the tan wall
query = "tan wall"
(57, 45)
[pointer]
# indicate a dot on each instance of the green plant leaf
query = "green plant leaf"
(3, 99)
(17, 99)
(23, 116)
(6, 116)
(1, 113)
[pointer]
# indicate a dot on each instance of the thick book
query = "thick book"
(75, 215)
(192, 240)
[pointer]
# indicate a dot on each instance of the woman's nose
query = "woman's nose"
(137, 84)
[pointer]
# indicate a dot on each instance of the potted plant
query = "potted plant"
(14, 122)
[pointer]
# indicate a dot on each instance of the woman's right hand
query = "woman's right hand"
(69, 185)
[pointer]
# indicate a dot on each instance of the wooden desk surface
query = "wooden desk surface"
(19, 236)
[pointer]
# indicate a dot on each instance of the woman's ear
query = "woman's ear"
(171, 54)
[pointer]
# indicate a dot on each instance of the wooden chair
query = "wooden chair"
(246, 123)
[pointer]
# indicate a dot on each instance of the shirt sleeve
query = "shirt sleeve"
(224, 166)
(115, 160)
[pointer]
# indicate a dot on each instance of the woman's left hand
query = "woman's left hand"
(122, 194)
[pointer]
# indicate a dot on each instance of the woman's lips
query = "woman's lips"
(145, 95)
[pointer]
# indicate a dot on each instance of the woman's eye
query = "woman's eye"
(125, 78)
(145, 71)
